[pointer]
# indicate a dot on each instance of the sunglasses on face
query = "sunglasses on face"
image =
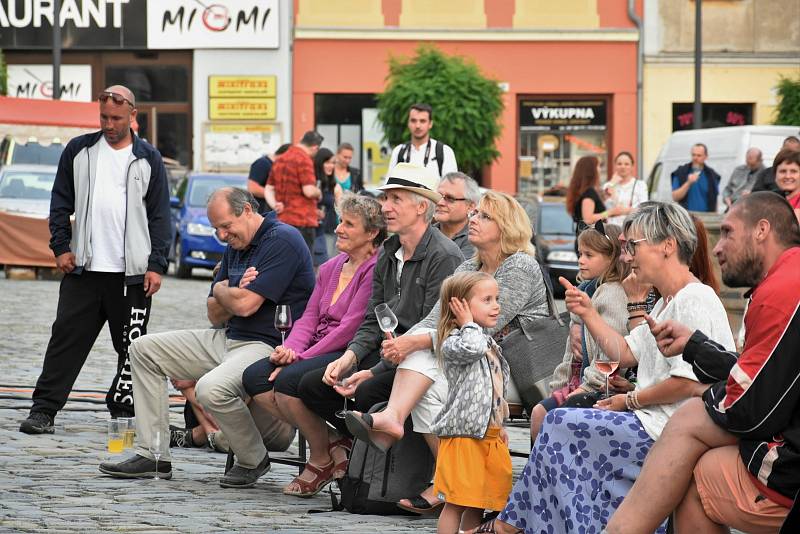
(117, 98)
(451, 199)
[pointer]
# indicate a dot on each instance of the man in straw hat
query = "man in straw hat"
(407, 277)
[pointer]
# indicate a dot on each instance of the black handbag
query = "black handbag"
(532, 358)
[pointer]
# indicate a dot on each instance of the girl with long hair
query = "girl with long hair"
(473, 469)
(325, 244)
(583, 201)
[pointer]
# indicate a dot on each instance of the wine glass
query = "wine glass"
(155, 448)
(342, 382)
(283, 320)
(607, 360)
(387, 320)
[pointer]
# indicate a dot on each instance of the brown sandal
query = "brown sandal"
(308, 488)
(340, 469)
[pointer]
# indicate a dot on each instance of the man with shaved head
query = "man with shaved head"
(113, 257)
(732, 457)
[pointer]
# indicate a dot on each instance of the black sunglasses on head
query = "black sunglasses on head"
(117, 98)
(582, 226)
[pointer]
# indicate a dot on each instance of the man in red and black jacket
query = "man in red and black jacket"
(733, 458)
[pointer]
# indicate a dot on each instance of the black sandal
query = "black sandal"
(361, 425)
(420, 505)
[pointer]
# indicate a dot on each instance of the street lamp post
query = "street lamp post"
(698, 67)
(56, 49)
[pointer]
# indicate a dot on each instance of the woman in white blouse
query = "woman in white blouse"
(624, 189)
(585, 461)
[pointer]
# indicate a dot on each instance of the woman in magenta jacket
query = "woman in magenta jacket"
(333, 314)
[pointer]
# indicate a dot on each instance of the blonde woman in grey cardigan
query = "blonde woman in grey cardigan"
(600, 266)
(500, 231)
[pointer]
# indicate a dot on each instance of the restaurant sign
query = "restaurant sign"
(219, 24)
(562, 115)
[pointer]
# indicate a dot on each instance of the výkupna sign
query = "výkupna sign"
(557, 115)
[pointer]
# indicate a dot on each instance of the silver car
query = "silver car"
(25, 189)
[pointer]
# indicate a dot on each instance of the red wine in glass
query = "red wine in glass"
(283, 320)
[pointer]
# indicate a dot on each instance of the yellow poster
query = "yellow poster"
(241, 109)
(241, 86)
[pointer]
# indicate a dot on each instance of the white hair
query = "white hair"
(472, 191)
(430, 206)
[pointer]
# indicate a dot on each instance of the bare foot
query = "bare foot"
(384, 423)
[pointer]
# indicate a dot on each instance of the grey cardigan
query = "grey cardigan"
(610, 301)
(470, 393)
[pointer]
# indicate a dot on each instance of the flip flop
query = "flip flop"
(360, 425)
(419, 505)
(489, 527)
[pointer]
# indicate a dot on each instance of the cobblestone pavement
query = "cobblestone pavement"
(51, 483)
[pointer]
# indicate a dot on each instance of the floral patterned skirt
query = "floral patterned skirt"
(582, 465)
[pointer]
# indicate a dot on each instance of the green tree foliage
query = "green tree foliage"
(788, 110)
(466, 104)
(3, 75)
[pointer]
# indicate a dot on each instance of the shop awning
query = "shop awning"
(49, 112)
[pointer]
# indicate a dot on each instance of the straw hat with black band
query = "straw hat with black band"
(413, 178)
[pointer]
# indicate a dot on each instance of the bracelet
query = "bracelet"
(628, 405)
(633, 306)
(632, 317)
(632, 398)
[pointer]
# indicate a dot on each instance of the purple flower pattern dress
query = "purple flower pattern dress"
(582, 465)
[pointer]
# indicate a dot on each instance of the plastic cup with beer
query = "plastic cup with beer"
(128, 432)
(116, 431)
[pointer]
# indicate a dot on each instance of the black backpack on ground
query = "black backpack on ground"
(438, 151)
(376, 481)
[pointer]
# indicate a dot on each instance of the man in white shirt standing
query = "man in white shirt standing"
(423, 150)
(116, 186)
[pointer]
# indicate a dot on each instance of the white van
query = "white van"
(726, 149)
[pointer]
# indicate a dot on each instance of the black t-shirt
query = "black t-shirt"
(599, 205)
(259, 172)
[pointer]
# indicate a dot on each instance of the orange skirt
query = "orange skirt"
(474, 472)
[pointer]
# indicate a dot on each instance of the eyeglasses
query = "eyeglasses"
(630, 246)
(598, 226)
(117, 98)
(481, 215)
(452, 200)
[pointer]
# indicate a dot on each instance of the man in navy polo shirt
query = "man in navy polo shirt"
(266, 263)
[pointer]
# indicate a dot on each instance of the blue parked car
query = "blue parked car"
(194, 242)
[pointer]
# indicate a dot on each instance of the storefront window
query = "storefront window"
(339, 118)
(162, 86)
(152, 83)
(554, 134)
(714, 115)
